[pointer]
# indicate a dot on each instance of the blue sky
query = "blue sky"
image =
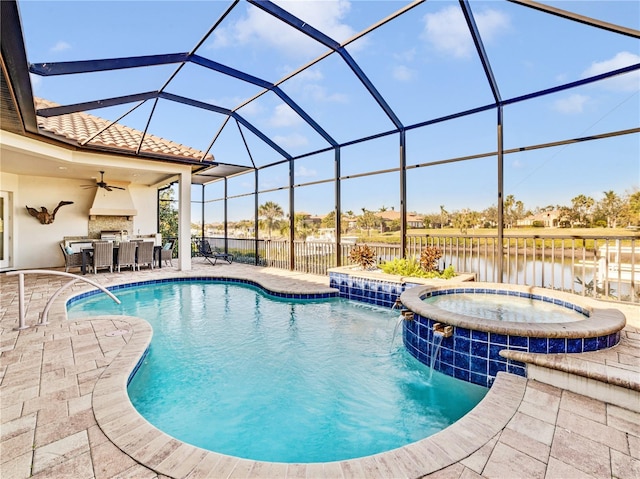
(423, 64)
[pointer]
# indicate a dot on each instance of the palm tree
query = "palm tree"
(444, 216)
(611, 207)
(271, 212)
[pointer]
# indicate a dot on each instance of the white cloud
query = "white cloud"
(306, 76)
(319, 94)
(627, 82)
(260, 27)
(572, 104)
(291, 141)
(308, 84)
(517, 164)
(403, 73)
(60, 46)
(250, 110)
(283, 115)
(447, 30)
(301, 171)
(405, 56)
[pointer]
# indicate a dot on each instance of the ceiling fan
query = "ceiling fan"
(103, 184)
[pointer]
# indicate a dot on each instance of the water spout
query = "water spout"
(446, 331)
(395, 329)
(435, 349)
(397, 304)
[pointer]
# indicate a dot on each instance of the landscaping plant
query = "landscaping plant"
(364, 256)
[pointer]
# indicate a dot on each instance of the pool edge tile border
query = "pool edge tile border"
(169, 456)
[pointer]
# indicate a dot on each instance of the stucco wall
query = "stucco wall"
(37, 244)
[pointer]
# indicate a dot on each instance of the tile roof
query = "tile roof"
(395, 215)
(80, 127)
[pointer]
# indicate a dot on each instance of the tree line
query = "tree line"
(611, 211)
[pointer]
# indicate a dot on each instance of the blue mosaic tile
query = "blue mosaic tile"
(557, 346)
(496, 366)
(462, 374)
(461, 360)
(494, 350)
(462, 344)
(518, 342)
(479, 379)
(613, 339)
(498, 338)
(480, 336)
(590, 344)
(462, 332)
(538, 345)
(446, 369)
(574, 345)
(517, 368)
(446, 355)
(480, 349)
(479, 365)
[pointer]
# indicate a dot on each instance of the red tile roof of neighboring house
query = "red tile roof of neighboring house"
(395, 215)
(81, 126)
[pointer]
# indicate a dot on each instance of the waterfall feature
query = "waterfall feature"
(395, 329)
(438, 336)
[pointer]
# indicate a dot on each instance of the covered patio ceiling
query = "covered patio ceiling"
(195, 72)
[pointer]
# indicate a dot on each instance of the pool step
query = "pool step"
(609, 375)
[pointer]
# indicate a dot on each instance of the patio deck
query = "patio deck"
(64, 410)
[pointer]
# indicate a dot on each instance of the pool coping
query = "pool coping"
(600, 322)
(134, 435)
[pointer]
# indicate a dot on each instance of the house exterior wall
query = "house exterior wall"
(36, 245)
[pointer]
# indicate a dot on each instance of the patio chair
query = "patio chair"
(204, 248)
(166, 254)
(102, 256)
(71, 258)
(145, 254)
(127, 254)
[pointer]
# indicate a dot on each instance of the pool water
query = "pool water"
(238, 372)
(498, 307)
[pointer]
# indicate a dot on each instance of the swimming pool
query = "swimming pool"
(279, 379)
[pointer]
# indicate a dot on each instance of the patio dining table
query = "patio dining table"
(86, 252)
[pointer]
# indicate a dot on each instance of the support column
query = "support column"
(338, 208)
(500, 245)
(292, 220)
(184, 220)
(403, 195)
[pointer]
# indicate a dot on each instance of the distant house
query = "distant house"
(548, 219)
(414, 220)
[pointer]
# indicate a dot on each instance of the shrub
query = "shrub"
(411, 267)
(403, 267)
(363, 256)
(429, 258)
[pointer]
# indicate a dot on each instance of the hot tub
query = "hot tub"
(467, 346)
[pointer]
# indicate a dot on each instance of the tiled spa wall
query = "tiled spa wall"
(474, 355)
(468, 354)
(373, 291)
